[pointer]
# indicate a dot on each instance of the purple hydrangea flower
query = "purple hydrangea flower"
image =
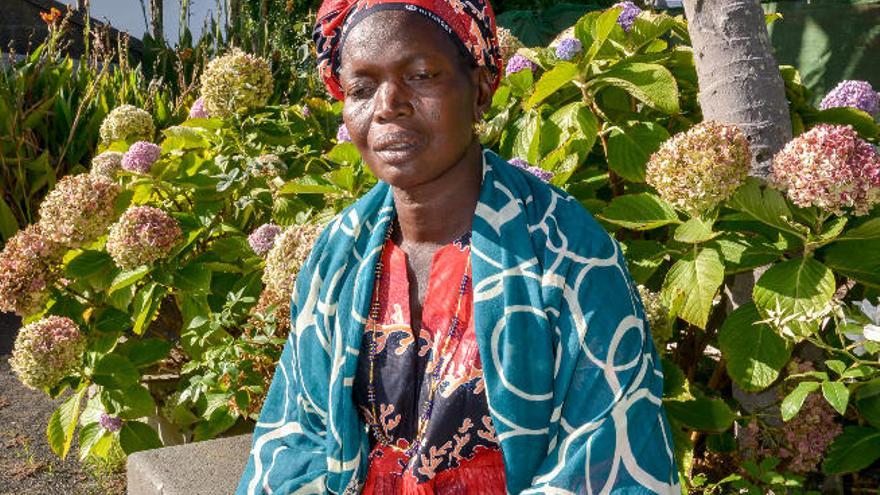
(306, 111)
(856, 94)
(198, 111)
(140, 157)
(263, 238)
(518, 63)
(110, 423)
(538, 172)
(342, 134)
(627, 15)
(568, 48)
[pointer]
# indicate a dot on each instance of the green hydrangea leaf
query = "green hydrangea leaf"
(794, 294)
(692, 284)
(754, 352)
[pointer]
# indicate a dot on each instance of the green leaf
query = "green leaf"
(858, 260)
(692, 284)
(675, 384)
(89, 263)
(115, 371)
(112, 320)
(644, 258)
(576, 120)
(62, 424)
(861, 121)
(551, 81)
(135, 437)
(753, 351)
(652, 84)
(8, 223)
(864, 231)
(867, 401)
(144, 352)
(742, 253)
(695, 231)
(855, 449)
(146, 305)
(89, 436)
(701, 414)
(836, 366)
(630, 147)
(837, 395)
(642, 211)
(130, 403)
(307, 185)
(528, 137)
(521, 82)
(795, 294)
(344, 154)
(793, 402)
(601, 29)
(194, 277)
(764, 204)
(128, 277)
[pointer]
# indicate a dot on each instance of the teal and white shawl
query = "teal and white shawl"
(573, 380)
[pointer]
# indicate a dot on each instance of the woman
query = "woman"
(531, 370)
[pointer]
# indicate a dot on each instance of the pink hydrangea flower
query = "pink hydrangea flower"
(141, 156)
(263, 238)
(46, 351)
(79, 209)
(198, 110)
(142, 235)
(829, 167)
(29, 266)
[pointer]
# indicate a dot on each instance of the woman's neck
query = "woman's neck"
(438, 211)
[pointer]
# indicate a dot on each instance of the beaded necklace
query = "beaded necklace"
(438, 360)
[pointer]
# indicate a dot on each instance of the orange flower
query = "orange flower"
(51, 16)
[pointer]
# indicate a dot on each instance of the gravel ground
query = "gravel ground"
(27, 464)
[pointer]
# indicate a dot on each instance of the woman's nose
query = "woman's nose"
(392, 101)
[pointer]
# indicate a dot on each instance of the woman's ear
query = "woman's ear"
(483, 99)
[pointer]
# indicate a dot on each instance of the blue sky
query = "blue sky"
(127, 15)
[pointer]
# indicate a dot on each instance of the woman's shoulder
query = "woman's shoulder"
(551, 210)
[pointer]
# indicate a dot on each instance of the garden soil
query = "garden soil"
(27, 464)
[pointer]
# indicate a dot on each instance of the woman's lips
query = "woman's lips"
(397, 148)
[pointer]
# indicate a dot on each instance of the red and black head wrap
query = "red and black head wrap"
(470, 24)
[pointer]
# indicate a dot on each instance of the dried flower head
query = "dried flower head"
(544, 175)
(235, 83)
(698, 169)
(198, 111)
(627, 15)
(46, 351)
(142, 235)
(519, 62)
(107, 164)
(658, 316)
(830, 167)
(263, 238)
(856, 94)
(508, 43)
(127, 122)
(287, 256)
(140, 157)
(79, 209)
(268, 165)
(29, 266)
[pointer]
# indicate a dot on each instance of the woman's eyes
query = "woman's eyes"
(367, 90)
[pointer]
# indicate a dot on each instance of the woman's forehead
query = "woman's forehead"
(398, 35)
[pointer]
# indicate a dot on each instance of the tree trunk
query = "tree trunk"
(156, 29)
(738, 75)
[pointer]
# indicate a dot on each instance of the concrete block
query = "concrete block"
(212, 467)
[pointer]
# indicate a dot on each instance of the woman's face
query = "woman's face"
(411, 98)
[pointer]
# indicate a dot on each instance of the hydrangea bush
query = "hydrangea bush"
(609, 112)
(141, 286)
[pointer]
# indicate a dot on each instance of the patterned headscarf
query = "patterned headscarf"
(470, 24)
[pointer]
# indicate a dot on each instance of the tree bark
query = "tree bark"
(156, 28)
(738, 75)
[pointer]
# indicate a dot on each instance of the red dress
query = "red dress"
(460, 454)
